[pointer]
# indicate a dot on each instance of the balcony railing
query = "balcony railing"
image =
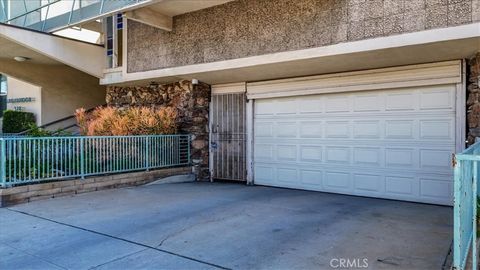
(51, 15)
(466, 172)
(36, 159)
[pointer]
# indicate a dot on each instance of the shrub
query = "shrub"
(105, 121)
(36, 131)
(16, 121)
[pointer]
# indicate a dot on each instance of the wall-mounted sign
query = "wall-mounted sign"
(21, 100)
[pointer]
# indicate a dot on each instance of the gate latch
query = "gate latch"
(213, 145)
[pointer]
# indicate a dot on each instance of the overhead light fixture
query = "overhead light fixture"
(153, 84)
(21, 58)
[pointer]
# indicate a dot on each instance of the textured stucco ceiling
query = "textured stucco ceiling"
(174, 7)
(11, 49)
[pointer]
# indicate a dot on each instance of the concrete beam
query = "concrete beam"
(93, 26)
(85, 57)
(150, 17)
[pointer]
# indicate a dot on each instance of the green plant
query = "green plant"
(36, 131)
(16, 121)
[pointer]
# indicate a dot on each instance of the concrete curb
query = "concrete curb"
(182, 178)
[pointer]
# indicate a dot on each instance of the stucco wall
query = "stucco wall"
(20, 89)
(63, 89)
(254, 27)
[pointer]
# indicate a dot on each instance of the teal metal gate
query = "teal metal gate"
(466, 171)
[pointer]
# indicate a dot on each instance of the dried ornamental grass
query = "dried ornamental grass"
(132, 121)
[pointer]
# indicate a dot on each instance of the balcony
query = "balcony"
(53, 15)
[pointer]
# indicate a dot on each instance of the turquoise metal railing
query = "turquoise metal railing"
(36, 159)
(466, 172)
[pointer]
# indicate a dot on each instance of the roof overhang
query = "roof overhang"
(412, 48)
(43, 48)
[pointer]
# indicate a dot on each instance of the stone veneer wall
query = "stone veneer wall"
(473, 99)
(192, 102)
(254, 27)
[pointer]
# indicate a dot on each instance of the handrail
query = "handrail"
(60, 120)
(25, 160)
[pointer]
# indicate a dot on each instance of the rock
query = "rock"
(198, 144)
(192, 102)
(473, 102)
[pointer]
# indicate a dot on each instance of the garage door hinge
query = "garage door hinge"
(454, 161)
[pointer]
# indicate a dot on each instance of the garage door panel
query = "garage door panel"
(337, 129)
(337, 181)
(368, 183)
(400, 157)
(311, 178)
(311, 153)
(437, 129)
(400, 101)
(366, 129)
(286, 152)
(437, 99)
(433, 188)
(337, 104)
(370, 156)
(314, 105)
(390, 144)
(310, 129)
(401, 186)
(367, 102)
(435, 159)
(286, 129)
(337, 154)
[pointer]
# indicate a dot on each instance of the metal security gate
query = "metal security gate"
(228, 137)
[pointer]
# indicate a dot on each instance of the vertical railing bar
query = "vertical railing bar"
(24, 154)
(71, 12)
(456, 212)
(3, 163)
(474, 215)
(82, 158)
(147, 153)
(15, 159)
(43, 158)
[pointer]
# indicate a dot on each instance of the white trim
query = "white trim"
(408, 39)
(230, 88)
(210, 150)
(124, 46)
(460, 111)
(377, 79)
(249, 151)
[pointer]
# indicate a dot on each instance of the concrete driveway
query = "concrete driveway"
(220, 225)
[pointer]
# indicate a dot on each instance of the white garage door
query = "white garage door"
(394, 143)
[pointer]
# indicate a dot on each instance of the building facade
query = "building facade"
(359, 97)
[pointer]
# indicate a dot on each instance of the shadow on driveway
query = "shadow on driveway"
(220, 225)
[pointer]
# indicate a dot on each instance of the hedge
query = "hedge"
(16, 121)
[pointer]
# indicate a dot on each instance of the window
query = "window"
(113, 40)
(3, 85)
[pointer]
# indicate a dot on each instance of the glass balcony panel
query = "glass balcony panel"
(86, 9)
(49, 15)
